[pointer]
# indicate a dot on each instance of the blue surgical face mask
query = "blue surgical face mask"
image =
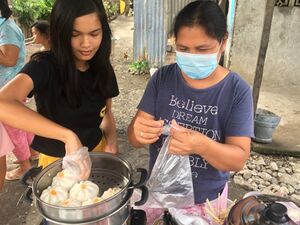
(197, 66)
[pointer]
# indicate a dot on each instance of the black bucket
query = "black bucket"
(265, 123)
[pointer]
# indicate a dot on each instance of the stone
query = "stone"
(288, 179)
(265, 176)
(271, 174)
(260, 161)
(296, 168)
(295, 198)
(274, 180)
(247, 174)
(291, 189)
(297, 175)
(284, 191)
(238, 180)
(273, 166)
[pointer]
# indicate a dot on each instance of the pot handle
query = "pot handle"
(27, 195)
(143, 179)
(31, 173)
(144, 196)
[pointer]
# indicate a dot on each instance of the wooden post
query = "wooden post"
(262, 51)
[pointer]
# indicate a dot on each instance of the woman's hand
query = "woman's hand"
(144, 129)
(185, 141)
(147, 130)
(72, 143)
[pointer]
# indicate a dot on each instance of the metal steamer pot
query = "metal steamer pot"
(120, 216)
(107, 171)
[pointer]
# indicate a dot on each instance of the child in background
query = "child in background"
(12, 59)
(41, 34)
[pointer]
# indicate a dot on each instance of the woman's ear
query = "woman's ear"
(224, 42)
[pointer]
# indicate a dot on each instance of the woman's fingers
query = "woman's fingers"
(147, 130)
(177, 147)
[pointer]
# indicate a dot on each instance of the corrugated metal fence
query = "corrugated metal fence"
(153, 20)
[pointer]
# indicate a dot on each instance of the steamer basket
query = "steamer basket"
(107, 171)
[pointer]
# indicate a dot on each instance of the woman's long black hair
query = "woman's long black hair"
(204, 13)
(5, 10)
(66, 80)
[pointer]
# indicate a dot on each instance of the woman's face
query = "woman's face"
(194, 40)
(37, 36)
(86, 38)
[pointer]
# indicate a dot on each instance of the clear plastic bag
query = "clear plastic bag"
(183, 217)
(79, 162)
(170, 183)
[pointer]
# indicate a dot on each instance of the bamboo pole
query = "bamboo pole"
(263, 51)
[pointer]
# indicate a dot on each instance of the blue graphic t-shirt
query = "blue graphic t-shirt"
(11, 34)
(220, 111)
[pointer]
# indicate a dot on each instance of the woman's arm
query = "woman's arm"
(230, 156)
(109, 130)
(14, 113)
(9, 55)
(143, 129)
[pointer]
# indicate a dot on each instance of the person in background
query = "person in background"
(73, 85)
(6, 146)
(208, 106)
(12, 59)
(41, 34)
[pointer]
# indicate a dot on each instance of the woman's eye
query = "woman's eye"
(75, 34)
(181, 49)
(95, 34)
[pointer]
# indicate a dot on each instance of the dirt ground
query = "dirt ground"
(15, 210)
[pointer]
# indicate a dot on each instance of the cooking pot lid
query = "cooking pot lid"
(262, 210)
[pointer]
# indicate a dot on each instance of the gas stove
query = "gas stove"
(137, 217)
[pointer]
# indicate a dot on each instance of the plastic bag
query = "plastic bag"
(170, 183)
(79, 162)
(182, 217)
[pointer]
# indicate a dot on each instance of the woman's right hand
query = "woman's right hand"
(77, 157)
(145, 129)
(72, 143)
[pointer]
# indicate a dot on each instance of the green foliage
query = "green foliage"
(28, 11)
(111, 8)
(139, 67)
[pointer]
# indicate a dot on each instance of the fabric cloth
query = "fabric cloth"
(11, 34)
(222, 110)
(21, 140)
(45, 160)
(6, 145)
(84, 119)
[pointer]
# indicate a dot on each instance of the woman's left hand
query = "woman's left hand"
(185, 141)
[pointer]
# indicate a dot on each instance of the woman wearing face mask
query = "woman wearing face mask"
(208, 106)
